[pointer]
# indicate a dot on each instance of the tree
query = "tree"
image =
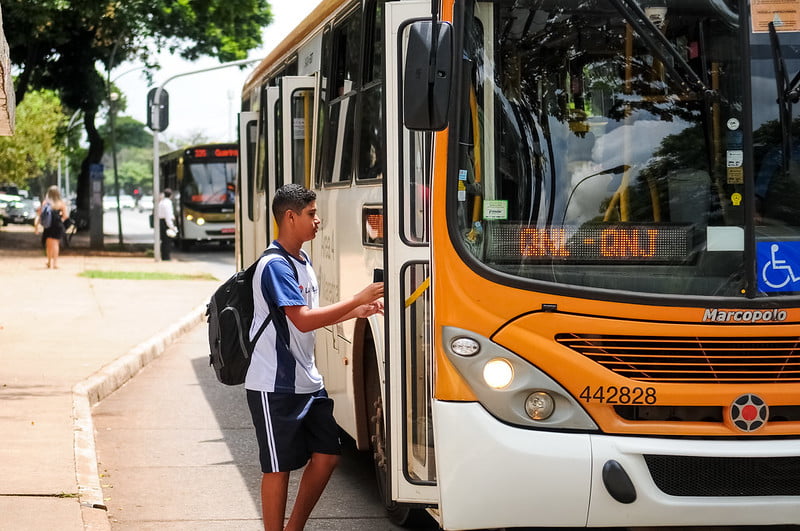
(35, 147)
(57, 44)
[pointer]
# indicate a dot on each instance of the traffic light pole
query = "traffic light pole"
(155, 115)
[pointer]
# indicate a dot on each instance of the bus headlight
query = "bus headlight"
(201, 221)
(539, 405)
(189, 217)
(498, 373)
(511, 387)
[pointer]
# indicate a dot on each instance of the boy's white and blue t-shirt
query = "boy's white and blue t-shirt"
(274, 367)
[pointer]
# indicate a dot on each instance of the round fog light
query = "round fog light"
(539, 405)
(465, 346)
(498, 373)
(201, 221)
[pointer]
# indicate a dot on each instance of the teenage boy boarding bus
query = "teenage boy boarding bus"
(292, 413)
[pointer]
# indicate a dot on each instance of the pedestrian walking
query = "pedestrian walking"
(291, 411)
(50, 221)
(166, 222)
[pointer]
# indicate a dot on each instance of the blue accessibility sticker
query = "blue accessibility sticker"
(778, 266)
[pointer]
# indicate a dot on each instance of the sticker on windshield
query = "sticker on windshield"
(735, 158)
(778, 266)
(782, 13)
(495, 209)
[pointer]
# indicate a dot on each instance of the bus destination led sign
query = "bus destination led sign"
(588, 243)
(202, 153)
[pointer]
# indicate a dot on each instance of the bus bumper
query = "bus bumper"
(494, 475)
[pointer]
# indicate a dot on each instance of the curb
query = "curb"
(94, 389)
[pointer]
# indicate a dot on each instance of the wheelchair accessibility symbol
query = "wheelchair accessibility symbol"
(778, 266)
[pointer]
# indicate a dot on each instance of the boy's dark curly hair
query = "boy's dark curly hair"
(291, 197)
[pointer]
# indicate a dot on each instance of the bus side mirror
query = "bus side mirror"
(426, 83)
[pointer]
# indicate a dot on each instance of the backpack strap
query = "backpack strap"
(281, 251)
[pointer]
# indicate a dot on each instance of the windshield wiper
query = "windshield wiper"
(788, 90)
(788, 93)
(658, 42)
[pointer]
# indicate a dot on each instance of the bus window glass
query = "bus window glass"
(371, 142)
(251, 146)
(347, 42)
(339, 135)
(418, 373)
(777, 178)
(322, 119)
(209, 183)
(302, 121)
(262, 168)
(374, 42)
(591, 155)
(371, 138)
(278, 144)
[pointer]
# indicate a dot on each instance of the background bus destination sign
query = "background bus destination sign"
(200, 153)
(589, 243)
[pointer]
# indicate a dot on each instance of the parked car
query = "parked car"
(125, 201)
(22, 211)
(5, 200)
(145, 203)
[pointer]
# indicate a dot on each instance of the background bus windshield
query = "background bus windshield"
(602, 144)
(210, 183)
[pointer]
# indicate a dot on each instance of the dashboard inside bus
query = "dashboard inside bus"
(612, 144)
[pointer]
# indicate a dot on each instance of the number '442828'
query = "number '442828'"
(623, 395)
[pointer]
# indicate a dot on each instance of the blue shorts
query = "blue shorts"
(290, 427)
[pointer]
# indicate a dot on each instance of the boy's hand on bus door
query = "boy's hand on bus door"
(367, 310)
(370, 294)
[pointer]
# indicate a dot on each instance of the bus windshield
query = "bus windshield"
(209, 183)
(603, 145)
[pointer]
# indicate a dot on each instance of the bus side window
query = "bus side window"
(339, 138)
(322, 120)
(371, 141)
(261, 164)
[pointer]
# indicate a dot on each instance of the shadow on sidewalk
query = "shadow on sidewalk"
(229, 404)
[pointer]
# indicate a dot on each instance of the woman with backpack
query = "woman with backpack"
(52, 215)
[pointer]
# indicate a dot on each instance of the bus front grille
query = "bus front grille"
(725, 476)
(692, 359)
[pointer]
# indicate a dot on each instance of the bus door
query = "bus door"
(408, 305)
(297, 109)
(246, 249)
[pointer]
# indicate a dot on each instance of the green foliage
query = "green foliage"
(35, 147)
(129, 132)
(144, 275)
(58, 45)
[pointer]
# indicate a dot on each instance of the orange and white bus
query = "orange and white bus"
(587, 216)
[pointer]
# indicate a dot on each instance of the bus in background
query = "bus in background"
(586, 213)
(203, 181)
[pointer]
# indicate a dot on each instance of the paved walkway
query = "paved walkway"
(66, 342)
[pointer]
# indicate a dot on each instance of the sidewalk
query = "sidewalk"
(66, 342)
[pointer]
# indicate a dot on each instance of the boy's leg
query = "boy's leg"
(274, 490)
(315, 477)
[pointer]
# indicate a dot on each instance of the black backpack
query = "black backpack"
(230, 315)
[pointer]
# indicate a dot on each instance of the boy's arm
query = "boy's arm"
(307, 319)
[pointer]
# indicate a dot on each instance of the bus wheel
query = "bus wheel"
(399, 514)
